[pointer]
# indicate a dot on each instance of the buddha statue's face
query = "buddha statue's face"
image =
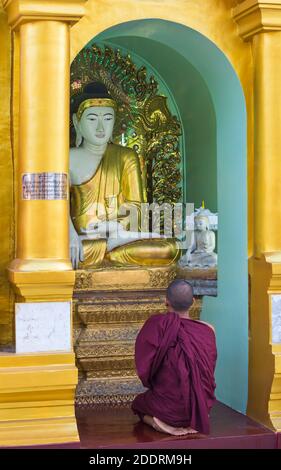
(96, 124)
(201, 223)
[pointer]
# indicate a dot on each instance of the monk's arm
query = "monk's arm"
(147, 344)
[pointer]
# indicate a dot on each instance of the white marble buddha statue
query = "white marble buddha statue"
(200, 253)
(106, 185)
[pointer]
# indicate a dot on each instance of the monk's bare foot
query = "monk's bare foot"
(166, 428)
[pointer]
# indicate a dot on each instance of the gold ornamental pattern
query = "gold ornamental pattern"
(121, 333)
(124, 279)
(105, 349)
(112, 386)
(89, 315)
(105, 374)
(87, 400)
(161, 279)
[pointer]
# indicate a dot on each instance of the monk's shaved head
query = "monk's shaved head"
(180, 295)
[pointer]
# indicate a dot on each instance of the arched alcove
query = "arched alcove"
(210, 99)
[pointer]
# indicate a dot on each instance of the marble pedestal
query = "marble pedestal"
(43, 327)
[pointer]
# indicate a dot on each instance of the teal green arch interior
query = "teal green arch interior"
(212, 108)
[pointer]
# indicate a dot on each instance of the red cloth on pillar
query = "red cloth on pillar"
(175, 359)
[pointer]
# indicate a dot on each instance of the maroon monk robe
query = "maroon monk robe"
(175, 359)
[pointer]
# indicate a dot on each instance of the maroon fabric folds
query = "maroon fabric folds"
(175, 360)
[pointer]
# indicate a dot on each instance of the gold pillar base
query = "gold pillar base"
(42, 286)
(264, 402)
(37, 399)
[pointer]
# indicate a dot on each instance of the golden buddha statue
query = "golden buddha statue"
(106, 185)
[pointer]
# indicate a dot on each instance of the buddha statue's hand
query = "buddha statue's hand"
(90, 232)
(102, 230)
(76, 250)
(186, 258)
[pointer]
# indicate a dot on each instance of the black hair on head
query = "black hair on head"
(90, 91)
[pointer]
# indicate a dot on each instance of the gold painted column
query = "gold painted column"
(42, 235)
(37, 383)
(260, 22)
(42, 226)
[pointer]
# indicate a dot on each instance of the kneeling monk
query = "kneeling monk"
(175, 359)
